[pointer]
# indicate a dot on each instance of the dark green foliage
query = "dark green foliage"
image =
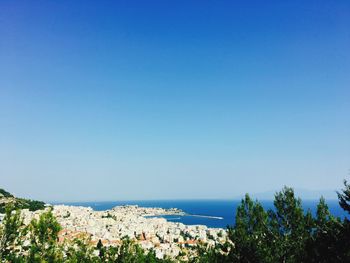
(344, 197)
(109, 216)
(290, 227)
(206, 254)
(129, 252)
(18, 203)
(10, 233)
(32, 205)
(44, 236)
(288, 233)
(80, 251)
(250, 235)
(324, 244)
(5, 193)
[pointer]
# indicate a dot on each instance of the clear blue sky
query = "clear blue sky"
(109, 100)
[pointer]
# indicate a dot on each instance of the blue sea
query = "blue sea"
(217, 208)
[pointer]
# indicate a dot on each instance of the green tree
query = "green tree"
(80, 251)
(343, 235)
(290, 227)
(43, 239)
(344, 197)
(205, 254)
(324, 244)
(249, 236)
(11, 233)
(129, 252)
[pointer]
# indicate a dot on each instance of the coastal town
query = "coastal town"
(144, 225)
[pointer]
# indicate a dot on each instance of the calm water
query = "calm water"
(220, 208)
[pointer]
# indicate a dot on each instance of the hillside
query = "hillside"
(7, 198)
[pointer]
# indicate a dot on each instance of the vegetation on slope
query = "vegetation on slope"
(7, 199)
(4, 193)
